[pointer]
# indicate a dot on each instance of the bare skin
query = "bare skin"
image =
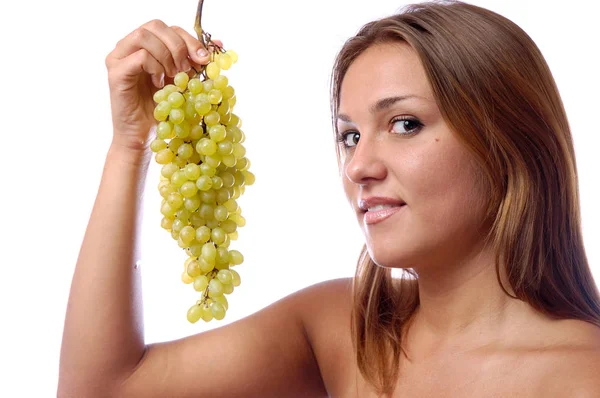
(467, 338)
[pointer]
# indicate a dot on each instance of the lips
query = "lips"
(378, 209)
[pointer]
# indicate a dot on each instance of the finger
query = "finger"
(143, 39)
(142, 61)
(197, 53)
(173, 41)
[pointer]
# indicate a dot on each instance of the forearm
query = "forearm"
(103, 335)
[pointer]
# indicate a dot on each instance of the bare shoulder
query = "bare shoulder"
(326, 311)
(575, 364)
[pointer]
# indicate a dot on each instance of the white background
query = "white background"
(56, 129)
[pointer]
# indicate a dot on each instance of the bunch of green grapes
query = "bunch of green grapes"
(199, 143)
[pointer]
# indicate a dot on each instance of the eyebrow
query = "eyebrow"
(381, 105)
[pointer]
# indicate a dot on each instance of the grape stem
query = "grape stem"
(203, 36)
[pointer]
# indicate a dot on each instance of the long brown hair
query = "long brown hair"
(497, 94)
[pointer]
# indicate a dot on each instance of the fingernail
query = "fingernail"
(186, 65)
(202, 53)
(162, 80)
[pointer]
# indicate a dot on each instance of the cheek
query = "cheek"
(443, 184)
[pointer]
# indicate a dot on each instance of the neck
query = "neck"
(462, 305)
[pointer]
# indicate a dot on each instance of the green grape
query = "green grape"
(175, 200)
(182, 130)
(220, 82)
(207, 170)
(212, 118)
(178, 225)
(233, 55)
(166, 210)
(195, 218)
(161, 111)
(224, 61)
(200, 283)
(195, 313)
(215, 287)
(188, 189)
(175, 143)
(208, 197)
(204, 183)
(166, 223)
(192, 172)
(207, 211)
(228, 179)
(157, 145)
(209, 252)
(205, 266)
(231, 205)
(195, 249)
(229, 160)
(164, 130)
(203, 234)
(213, 160)
(183, 214)
(235, 257)
(159, 96)
(217, 182)
(222, 195)
(212, 224)
(195, 86)
(185, 151)
(238, 150)
(202, 107)
(215, 96)
(222, 300)
(242, 164)
(217, 132)
(212, 70)
(225, 147)
(207, 314)
(181, 80)
(164, 156)
(225, 276)
(228, 226)
(249, 177)
(227, 289)
(217, 235)
(236, 281)
(196, 132)
(176, 99)
(228, 92)
(218, 310)
(207, 85)
(168, 169)
(176, 116)
(221, 213)
(206, 146)
(187, 234)
(193, 269)
(178, 178)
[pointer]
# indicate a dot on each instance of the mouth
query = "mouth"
(378, 214)
(378, 209)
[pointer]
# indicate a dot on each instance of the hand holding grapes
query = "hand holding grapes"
(137, 67)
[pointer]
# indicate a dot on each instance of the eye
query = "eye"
(349, 138)
(405, 125)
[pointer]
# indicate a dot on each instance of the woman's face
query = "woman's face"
(414, 187)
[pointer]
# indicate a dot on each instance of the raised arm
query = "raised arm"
(103, 351)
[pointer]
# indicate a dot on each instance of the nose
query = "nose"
(365, 164)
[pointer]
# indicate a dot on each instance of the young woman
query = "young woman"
(457, 157)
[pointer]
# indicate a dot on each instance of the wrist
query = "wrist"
(129, 154)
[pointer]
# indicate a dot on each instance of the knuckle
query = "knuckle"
(180, 49)
(156, 24)
(139, 34)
